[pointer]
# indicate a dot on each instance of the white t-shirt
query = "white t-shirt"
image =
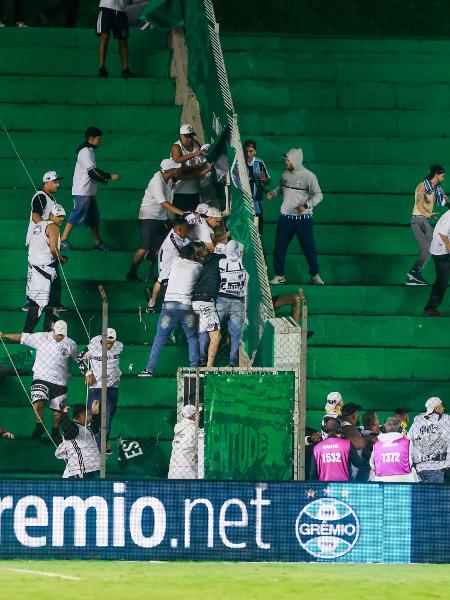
(201, 232)
(46, 205)
(52, 357)
(157, 192)
(168, 252)
(119, 5)
(189, 186)
(82, 184)
(94, 354)
(39, 245)
(442, 226)
(183, 276)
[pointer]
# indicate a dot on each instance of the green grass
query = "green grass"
(240, 581)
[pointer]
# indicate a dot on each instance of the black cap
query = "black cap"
(435, 170)
(350, 408)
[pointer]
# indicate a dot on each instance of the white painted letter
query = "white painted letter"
(259, 503)
(5, 504)
(159, 518)
(119, 515)
(21, 521)
(80, 508)
(188, 506)
(224, 523)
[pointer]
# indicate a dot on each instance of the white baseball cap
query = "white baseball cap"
(111, 334)
(169, 163)
(187, 129)
(189, 410)
(334, 398)
(432, 403)
(213, 212)
(202, 208)
(51, 176)
(60, 328)
(58, 211)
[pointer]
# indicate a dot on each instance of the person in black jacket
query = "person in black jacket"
(204, 297)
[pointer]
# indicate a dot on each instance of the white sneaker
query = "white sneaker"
(2, 24)
(317, 280)
(278, 279)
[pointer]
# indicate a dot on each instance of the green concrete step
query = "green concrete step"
(35, 61)
(50, 38)
(392, 46)
(39, 90)
(378, 363)
(340, 239)
(343, 270)
(159, 393)
(342, 94)
(140, 422)
(341, 150)
(353, 300)
(317, 67)
(49, 146)
(375, 394)
(134, 359)
(62, 118)
(353, 123)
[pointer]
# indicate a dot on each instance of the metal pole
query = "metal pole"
(302, 400)
(197, 416)
(104, 382)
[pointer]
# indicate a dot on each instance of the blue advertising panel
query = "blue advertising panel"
(196, 520)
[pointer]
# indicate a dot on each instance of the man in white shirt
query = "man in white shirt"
(154, 213)
(187, 152)
(203, 230)
(50, 372)
(90, 364)
(440, 251)
(177, 308)
(43, 289)
(84, 189)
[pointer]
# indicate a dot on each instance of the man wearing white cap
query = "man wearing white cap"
(333, 409)
(203, 231)
(188, 152)
(156, 207)
(43, 201)
(185, 463)
(50, 372)
(43, 280)
(430, 439)
(90, 364)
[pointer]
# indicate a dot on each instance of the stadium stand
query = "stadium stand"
(49, 94)
(368, 130)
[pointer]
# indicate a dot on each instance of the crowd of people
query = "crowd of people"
(345, 451)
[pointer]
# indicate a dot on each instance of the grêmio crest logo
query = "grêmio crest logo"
(327, 528)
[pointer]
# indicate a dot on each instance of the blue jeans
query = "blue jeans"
(85, 211)
(432, 476)
(173, 314)
(112, 396)
(287, 227)
(231, 311)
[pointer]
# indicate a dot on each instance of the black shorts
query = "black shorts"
(45, 391)
(153, 233)
(112, 20)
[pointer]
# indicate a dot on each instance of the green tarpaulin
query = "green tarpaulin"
(249, 426)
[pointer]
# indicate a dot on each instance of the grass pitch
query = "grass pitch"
(72, 580)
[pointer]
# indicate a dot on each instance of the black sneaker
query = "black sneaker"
(145, 373)
(38, 431)
(133, 276)
(127, 74)
(415, 278)
(102, 72)
(151, 308)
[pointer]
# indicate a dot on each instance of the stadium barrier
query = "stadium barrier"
(295, 522)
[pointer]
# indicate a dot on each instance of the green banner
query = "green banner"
(249, 426)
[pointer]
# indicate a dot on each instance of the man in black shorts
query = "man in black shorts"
(112, 17)
(50, 372)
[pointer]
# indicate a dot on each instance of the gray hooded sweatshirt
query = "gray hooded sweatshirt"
(298, 187)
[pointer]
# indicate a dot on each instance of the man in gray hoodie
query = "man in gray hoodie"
(301, 192)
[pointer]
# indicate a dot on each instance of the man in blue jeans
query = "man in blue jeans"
(177, 308)
(301, 193)
(230, 303)
(84, 189)
(90, 364)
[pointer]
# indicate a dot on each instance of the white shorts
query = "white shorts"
(45, 391)
(208, 318)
